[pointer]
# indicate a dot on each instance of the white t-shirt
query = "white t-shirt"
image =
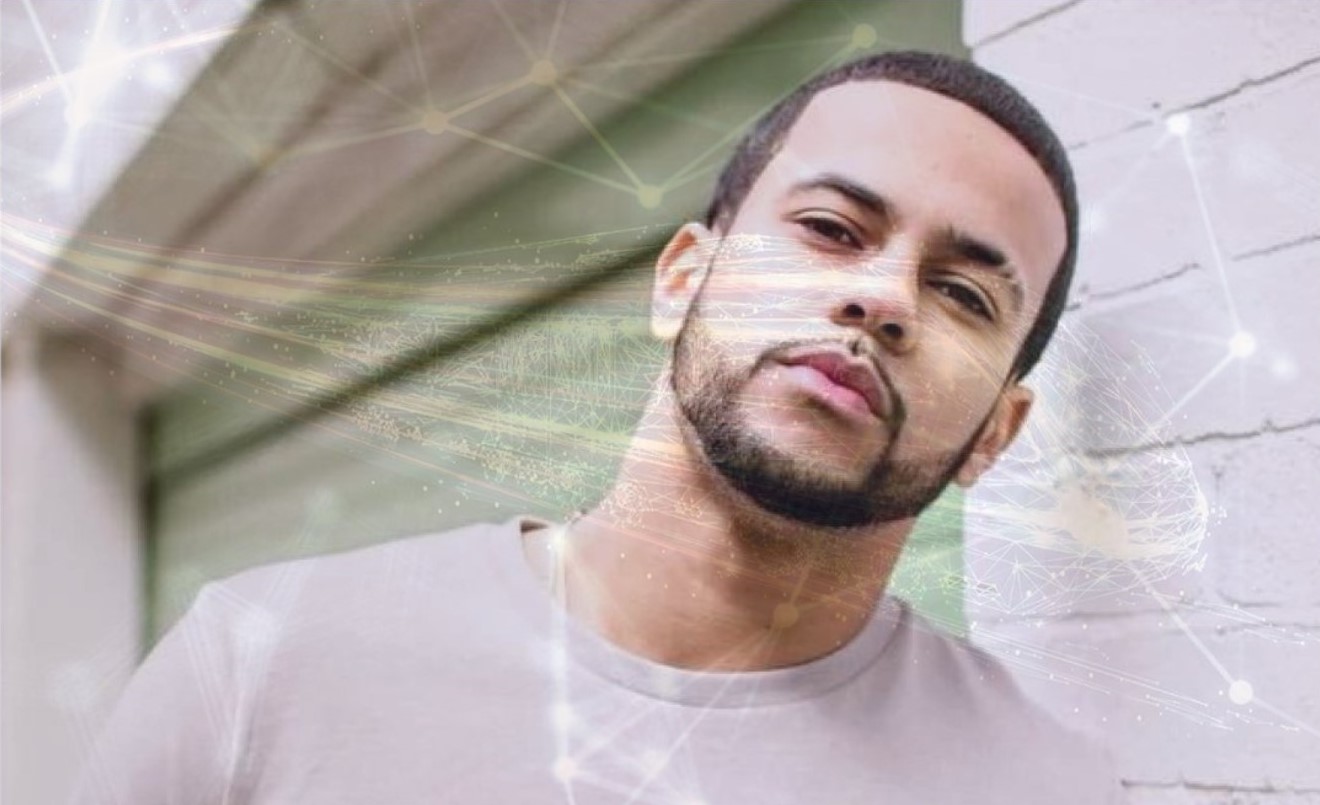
(439, 669)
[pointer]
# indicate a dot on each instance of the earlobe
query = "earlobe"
(679, 272)
(1000, 430)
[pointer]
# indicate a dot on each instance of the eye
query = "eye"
(830, 229)
(965, 297)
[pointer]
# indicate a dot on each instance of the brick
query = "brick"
(1141, 220)
(1260, 171)
(1160, 360)
(1161, 705)
(1250, 745)
(1105, 65)
(1250, 162)
(1182, 795)
(983, 19)
(1263, 550)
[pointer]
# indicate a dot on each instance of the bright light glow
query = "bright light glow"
(157, 74)
(102, 68)
(864, 36)
(1178, 125)
(76, 115)
(1240, 692)
(543, 72)
(435, 122)
(61, 175)
(1242, 345)
(650, 196)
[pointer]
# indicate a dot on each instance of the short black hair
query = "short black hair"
(954, 78)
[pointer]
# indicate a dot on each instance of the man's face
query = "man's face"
(846, 353)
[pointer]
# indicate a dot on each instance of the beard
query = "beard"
(708, 388)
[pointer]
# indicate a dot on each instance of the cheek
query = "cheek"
(716, 350)
(962, 356)
(765, 303)
(768, 265)
(741, 321)
(941, 426)
(949, 396)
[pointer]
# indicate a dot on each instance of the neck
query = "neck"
(672, 565)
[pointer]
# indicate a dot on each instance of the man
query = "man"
(884, 259)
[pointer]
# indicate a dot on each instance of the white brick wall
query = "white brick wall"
(1187, 241)
(1114, 64)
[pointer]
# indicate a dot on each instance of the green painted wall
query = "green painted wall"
(518, 335)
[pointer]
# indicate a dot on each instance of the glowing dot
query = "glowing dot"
(60, 176)
(543, 72)
(650, 196)
(1242, 345)
(785, 616)
(863, 36)
(435, 121)
(1178, 125)
(77, 115)
(565, 769)
(158, 75)
(1240, 692)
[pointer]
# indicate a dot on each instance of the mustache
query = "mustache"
(858, 347)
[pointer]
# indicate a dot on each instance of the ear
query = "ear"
(1000, 430)
(679, 273)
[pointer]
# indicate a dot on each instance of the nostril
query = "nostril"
(854, 311)
(893, 331)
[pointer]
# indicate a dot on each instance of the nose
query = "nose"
(883, 305)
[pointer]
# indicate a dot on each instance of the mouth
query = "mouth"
(855, 375)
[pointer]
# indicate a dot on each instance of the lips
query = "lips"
(855, 374)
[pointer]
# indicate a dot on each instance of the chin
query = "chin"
(814, 447)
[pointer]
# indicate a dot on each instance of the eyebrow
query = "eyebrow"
(859, 194)
(974, 251)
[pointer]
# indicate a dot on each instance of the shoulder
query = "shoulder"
(956, 667)
(357, 596)
(233, 679)
(332, 626)
(996, 720)
(401, 565)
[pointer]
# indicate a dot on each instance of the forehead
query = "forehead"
(937, 161)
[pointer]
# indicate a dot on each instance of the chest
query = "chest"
(492, 734)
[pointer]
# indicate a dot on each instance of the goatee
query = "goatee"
(709, 389)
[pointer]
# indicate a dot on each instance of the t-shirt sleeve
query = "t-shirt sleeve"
(177, 734)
